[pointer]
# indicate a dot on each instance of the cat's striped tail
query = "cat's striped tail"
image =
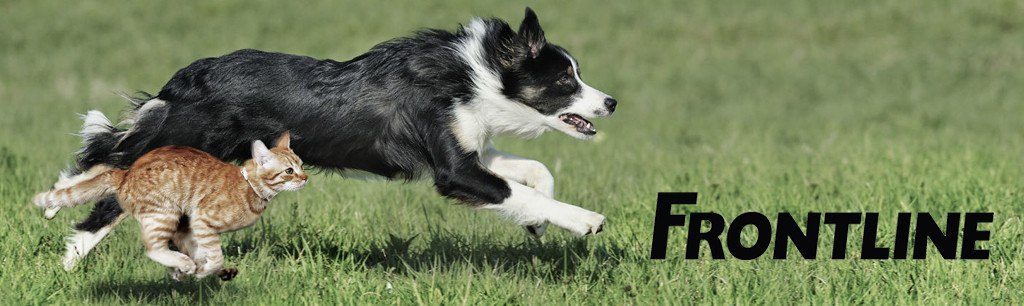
(98, 182)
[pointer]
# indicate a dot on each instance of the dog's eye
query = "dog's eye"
(289, 171)
(564, 80)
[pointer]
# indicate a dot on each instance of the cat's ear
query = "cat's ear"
(260, 153)
(284, 141)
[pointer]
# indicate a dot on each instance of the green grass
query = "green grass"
(769, 106)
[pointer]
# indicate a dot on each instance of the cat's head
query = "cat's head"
(278, 167)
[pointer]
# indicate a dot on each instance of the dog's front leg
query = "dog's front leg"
(525, 171)
(464, 178)
(528, 206)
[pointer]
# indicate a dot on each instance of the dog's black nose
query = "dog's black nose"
(610, 103)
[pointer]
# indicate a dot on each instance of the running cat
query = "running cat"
(185, 195)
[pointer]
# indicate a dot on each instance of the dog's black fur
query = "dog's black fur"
(389, 111)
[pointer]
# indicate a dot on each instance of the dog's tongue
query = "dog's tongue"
(582, 125)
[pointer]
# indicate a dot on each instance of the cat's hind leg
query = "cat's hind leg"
(186, 244)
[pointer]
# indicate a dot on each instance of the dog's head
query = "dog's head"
(547, 78)
(523, 85)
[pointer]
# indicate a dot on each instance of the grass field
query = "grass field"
(770, 106)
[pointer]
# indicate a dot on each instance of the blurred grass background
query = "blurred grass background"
(769, 106)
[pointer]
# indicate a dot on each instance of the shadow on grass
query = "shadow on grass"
(150, 291)
(552, 260)
(548, 259)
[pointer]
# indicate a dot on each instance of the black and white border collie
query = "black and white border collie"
(425, 105)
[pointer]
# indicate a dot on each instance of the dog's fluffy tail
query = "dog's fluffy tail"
(105, 144)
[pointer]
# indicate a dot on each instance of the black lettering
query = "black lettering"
(972, 235)
(868, 248)
(764, 235)
(694, 236)
(927, 229)
(902, 236)
(806, 243)
(663, 219)
(842, 222)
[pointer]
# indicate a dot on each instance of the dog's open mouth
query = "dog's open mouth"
(582, 125)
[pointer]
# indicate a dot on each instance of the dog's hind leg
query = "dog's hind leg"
(525, 171)
(88, 234)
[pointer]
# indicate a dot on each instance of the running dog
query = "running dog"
(424, 105)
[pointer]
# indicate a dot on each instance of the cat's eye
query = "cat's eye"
(289, 171)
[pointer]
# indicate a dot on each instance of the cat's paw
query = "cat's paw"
(187, 268)
(209, 268)
(227, 274)
(178, 274)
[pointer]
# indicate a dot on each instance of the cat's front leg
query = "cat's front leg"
(208, 252)
(212, 266)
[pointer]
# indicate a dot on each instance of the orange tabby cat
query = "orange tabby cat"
(187, 196)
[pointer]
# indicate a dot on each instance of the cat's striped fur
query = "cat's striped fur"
(187, 196)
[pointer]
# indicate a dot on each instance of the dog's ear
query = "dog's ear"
(531, 32)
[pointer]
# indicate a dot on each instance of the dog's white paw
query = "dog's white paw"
(580, 221)
(71, 257)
